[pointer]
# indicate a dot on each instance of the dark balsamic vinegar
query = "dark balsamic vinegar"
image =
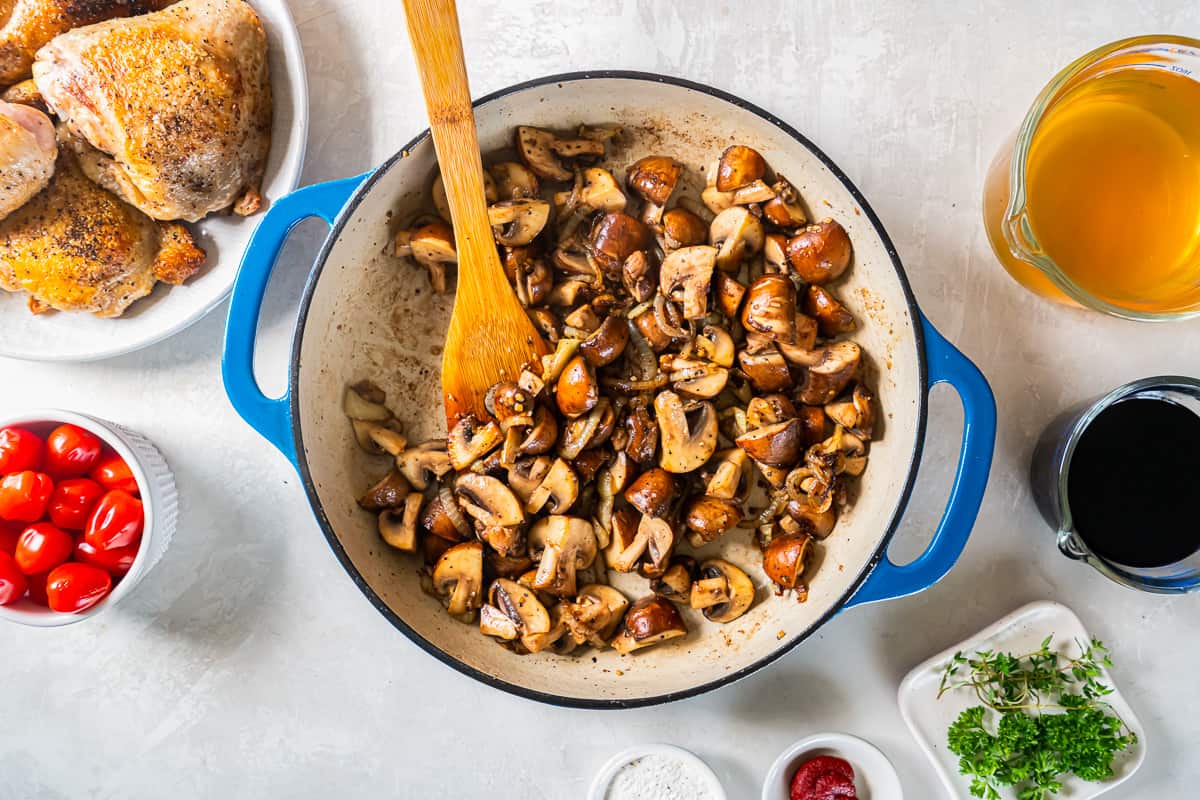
(1134, 483)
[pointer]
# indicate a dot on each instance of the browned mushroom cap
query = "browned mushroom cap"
(509, 404)
(432, 548)
(785, 209)
(577, 391)
(686, 446)
(389, 492)
(470, 440)
(399, 529)
(608, 342)
(542, 435)
(431, 246)
(649, 621)
(627, 543)
(738, 235)
(723, 591)
(652, 492)
(685, 277)
(728, 293)
(812, 425)
(642, 430)
(590, 462)
(765, 368)
(458, 576)
(676, 582)
(739, 166)
(855, 413)
(652, 330)
(774, 257)
(488, 501)
(820, 253)
(770, 309)
(514, 181)
(830, 369)
(615, 237)
(654, 178)
(777, 445)
(519, 605)
(769, 409)
(785, 560)
(594, 614)
(557, 491)
(444, 518)
(498, 566)
(708, 518)
(568, 544)
(536, 147)
(831, 316)
(518, 222)
(817, 524)
(682, 228)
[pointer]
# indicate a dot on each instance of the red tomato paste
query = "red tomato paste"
(824, 778)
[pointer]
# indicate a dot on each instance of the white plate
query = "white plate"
(609, 771)
(1020, 632)
(874, 776)
(169, 309)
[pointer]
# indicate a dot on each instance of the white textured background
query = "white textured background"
(247, 665)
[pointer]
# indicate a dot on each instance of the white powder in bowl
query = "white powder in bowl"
(658, 777)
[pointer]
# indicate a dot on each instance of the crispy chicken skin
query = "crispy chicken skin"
(27, 153)
(77, 247)
(26, 25)
(172, 110)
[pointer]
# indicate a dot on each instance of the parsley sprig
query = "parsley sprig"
(1030, 748)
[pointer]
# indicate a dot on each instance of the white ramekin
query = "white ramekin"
(874, 774)
(160, 503)
(610, 769)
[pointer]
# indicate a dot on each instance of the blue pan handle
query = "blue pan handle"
(946, 365)
(271, 417)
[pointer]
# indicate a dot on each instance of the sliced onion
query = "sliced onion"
(633, 385)
(661, 317)
(450, 506)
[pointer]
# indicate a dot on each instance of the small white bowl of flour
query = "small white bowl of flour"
(656, 772)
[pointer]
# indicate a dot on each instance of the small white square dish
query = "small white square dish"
(1020, 632)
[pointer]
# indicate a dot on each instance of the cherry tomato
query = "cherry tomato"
(116, 521)
(112, 472)
(12, 581)
(20, 450)
(42, 547)
(37, 587)
(9, 532)
(76, 587)
(71, 452)
(24, 495)
(73, 501)
(116, 561)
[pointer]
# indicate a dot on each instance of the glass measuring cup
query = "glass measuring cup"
(1149, 62)
(1049, 477)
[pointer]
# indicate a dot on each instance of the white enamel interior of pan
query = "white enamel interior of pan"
(373, 316)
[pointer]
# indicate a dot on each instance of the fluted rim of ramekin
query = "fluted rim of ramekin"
(111, 436)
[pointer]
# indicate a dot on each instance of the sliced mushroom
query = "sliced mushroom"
(855, 413)
(555, 637)
(510, 404)
(649, 621)
(576, 391)
(739, 165)
(682, 228)
(726, 480)
(399, 529)
(364, 402)
(738, 234)
(820, 253)
(812, 425)
(458, 577)
(574, 148)
(654, 179)
(377, 439)
(488, 501)
(431, 246)
(597, 190)
(661, 539)
(470, 440)
(615, 237)
(818, 524)
(830, 369)
(536, 149)
(695, 378)
(583, 321)
(519, 605)
(685, 277)
(777, 445)
(542, 435)
(568, 544)
(753, 193)
(389, 492)
(594, 614)
(557, 491)
(770, 309)
(628, 542)
(494, 622)
(716, 345)
(728, 293)
(774, 257)
(607, 343)
(643, 435)
(768, 410)
(514, 181)
(676, 581)
(709, 518)
(785, 560)
(527, 474)
(651, 327)
(444, 518)
(786, 209)
(638, 276)
(438, 191)
(686, 446)
(653, 492)
(765, 368)
(516, 223)
(831, 316)
(432, 548)
(722, 591)
(590, 430)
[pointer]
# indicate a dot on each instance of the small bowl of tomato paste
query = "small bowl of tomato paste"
(832, 766)
(87, 508)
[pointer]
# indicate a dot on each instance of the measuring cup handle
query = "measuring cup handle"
(946, 365)
(271, 417)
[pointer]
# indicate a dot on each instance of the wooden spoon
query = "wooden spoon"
(491, 338)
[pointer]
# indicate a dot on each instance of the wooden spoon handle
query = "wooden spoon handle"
(437, 47)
